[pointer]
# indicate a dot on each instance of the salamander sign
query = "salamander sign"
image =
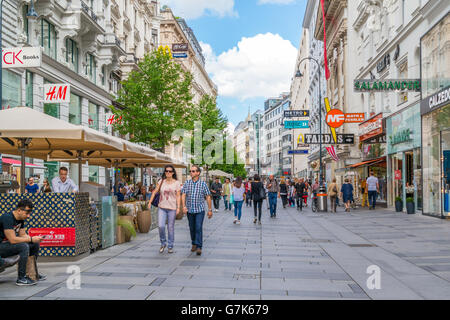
(361, 85)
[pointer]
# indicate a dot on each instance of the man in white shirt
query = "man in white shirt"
(63, 184)
(373, 188)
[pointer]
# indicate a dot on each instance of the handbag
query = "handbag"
(155, 201)
(262, 193)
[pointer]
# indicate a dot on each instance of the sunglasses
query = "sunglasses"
(168, 171)
(194, 170)
(28, 211)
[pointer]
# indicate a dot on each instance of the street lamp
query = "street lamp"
(32, 14)
(299, 75)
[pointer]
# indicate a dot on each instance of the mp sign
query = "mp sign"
(27, 57)
(56, 93)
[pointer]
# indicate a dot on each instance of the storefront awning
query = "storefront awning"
(367, 163)
(16, 163)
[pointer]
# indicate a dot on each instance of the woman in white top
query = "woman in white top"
(169, 205)
(239, 197)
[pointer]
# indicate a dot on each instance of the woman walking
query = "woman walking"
(169, 205)
(333, 191)
(238, 198)
(46, 187)
(347, 194)
(257, 195)
(283, 192)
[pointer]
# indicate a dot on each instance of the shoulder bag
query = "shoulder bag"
(155, 201)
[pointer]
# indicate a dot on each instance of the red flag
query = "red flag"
(327, 70)
(332, 152)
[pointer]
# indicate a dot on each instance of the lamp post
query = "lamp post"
(299, 75)
(23, 142)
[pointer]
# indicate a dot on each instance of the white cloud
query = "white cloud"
(193, 9)
(275, 1)
(260, 66)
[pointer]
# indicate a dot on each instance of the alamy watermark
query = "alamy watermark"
(74, 280)
(374, 280)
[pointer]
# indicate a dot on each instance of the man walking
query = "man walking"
(216, 191)
(227, 194)
(274, 190)
(373, 188)
(194, 192)
(15, 241)
(300, 188)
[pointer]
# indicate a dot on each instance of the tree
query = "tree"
(236, 168)
(155, 99)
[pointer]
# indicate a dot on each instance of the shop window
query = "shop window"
(29, 89)
(48, 38)
(93, 174)
(403, 72)
(75, 109)
(72, 54)
(91, 67)
(93, 116)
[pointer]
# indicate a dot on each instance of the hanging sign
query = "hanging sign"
(300, 151)
(398, 174)
(26, 57)
(296, 124)
(56, 93)
(179, 55)
(177, 47)
(296, 113)
(328, 139)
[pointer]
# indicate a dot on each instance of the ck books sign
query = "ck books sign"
(27, 57)
(56, 93)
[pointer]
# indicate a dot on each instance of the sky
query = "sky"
(250, 47)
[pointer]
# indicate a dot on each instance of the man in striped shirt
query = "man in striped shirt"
(194, 192)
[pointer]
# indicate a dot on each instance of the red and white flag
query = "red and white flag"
(327, 70)
(332, 152)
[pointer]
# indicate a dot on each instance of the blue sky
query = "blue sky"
(250, 46)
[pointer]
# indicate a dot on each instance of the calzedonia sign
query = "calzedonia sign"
(364, 85)
(435, 101)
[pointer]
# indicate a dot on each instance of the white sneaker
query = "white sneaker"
(238, 222)
(235, 220)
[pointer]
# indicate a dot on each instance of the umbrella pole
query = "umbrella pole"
(80, 168)
(22, 148)
(142, 174)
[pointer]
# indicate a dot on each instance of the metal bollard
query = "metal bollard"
(322, 199)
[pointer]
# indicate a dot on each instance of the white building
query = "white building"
(81, 46)
(300, 100)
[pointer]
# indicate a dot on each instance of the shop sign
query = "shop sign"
(365, 85)
(26, 57)
(55, 237)
(435, 101)
(296, 113)
(300, 151)
(296, 124)
(376, 140)
(328, 139)
(371, 128)
(177, 47)
(56, 93)
(336, 118)
(400, 137)
(398, 174)
(179, 55)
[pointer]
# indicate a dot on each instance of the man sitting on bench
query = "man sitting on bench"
(14, 240)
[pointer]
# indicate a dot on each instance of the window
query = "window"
(91, 67)
(11, 86)
(103, 74)
(93, 174)
(72, 53)
(29, 89)
(93, 116)
(75, 109)
(48, 38)
(25, 22)
(403, 72)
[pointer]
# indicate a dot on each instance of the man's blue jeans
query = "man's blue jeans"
(273, 203)
(238, 209)
(227, 202)
(25, 250)
(196, 227)
(373, 198)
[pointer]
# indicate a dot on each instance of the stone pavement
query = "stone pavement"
(298, 255)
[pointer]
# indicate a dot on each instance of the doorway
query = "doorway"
(445, 147)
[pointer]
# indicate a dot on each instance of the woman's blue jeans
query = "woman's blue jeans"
(238, 209)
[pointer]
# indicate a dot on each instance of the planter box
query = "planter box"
(144, 219)
(410, 208)
(398, 206)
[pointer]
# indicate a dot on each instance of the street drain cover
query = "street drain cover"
(362, 245)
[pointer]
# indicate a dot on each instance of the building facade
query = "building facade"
(84, 46)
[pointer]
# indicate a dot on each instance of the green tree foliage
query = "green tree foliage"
(155, 99)
(237, 169)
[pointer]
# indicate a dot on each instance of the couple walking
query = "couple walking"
(188, 199)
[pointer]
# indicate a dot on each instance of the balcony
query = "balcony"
(90, 26)
(89, 11)
(111, 41)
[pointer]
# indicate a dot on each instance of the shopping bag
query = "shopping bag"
(231, 199)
